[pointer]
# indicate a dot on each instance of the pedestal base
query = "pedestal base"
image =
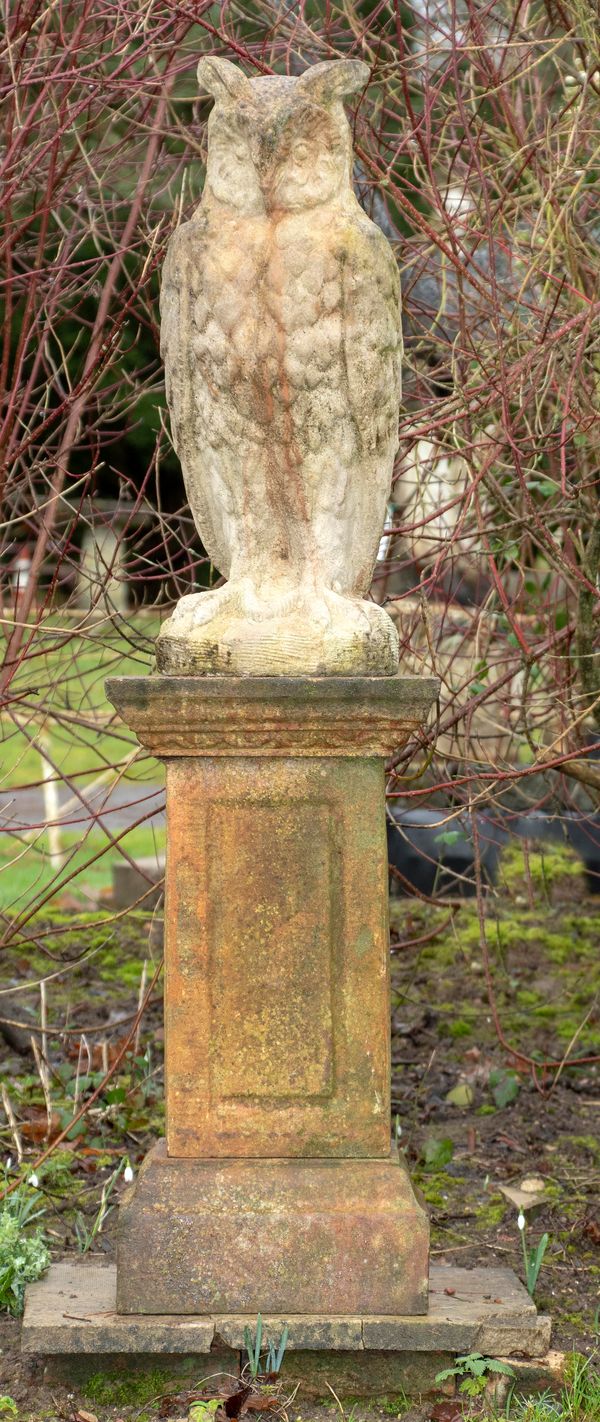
(272, 1236)
(71, 1320)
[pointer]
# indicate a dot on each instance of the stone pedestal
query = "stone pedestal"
(276, 1189)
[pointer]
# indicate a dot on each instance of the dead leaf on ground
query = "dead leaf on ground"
(99, 1057)
(591, 1228)
(85, 1416)
(237, 1402)
(451, 1410)
(35, 1127)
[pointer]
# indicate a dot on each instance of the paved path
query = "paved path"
(126, 804)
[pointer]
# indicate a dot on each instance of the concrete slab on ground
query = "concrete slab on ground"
(73, 1310)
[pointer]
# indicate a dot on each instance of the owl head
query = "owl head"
(279, 144)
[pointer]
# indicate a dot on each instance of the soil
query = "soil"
(543, 937)
(471, 1114)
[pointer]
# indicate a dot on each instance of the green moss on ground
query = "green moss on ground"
(135, 1390)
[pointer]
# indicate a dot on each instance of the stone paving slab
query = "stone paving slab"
(72, 1310)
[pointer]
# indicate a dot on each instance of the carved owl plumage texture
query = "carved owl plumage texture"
(282, 343)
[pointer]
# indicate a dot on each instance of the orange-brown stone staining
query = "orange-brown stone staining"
(274, 1236)
(276, 1191)
(270, 951)
(286, 1053)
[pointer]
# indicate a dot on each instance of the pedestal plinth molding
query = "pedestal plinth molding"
(272, 1236)
(272, 716)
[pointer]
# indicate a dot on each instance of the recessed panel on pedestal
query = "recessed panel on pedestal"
(277, 1030)
(271, 926)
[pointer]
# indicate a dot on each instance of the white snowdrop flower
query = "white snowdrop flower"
(9, 1162)
(521, 1220)
(33, 1180)
(128, 1173)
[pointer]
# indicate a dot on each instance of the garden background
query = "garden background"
(477, 152)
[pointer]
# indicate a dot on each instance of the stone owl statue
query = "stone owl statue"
(282, 344)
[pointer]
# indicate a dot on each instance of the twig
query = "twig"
(14, 1129)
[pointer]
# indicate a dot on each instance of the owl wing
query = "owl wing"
(372, 356)
(181, 286)
(373, 337)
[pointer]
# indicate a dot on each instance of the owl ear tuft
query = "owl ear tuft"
(334, 79)
(221, 78)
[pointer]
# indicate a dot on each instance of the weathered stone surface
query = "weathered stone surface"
(70, 1317)
(355, 1374)
(273, 1236)
(277, 1004)
(260, 716)
(276, 942)
(282, 342)
(308, 1331)
(483, 1310)
(536, 1374)
(219, 1368)
(277, 991)
(73, 1309)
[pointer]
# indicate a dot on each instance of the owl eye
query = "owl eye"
(301, 152)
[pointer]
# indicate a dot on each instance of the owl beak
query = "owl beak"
(268, 146)
(268, 167)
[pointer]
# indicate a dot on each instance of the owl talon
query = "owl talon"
(313, 634)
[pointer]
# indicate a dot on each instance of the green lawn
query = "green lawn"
(63, 728)
(62, 705)
(28, 878)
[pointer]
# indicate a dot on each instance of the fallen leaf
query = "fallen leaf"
(85, 1416)
(98, 1057)
(167, 1405)
(263, 1404)
(234, 1404)
(461, 1095)
(450, 1411)
(592, 1229)
(35, 1128)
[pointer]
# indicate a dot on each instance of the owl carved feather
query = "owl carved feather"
(282, 345)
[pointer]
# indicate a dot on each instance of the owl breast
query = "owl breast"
(293, 358)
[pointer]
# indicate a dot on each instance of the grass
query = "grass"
(28, 878)
(579, 1400)
(62, 705)
(64, 727)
